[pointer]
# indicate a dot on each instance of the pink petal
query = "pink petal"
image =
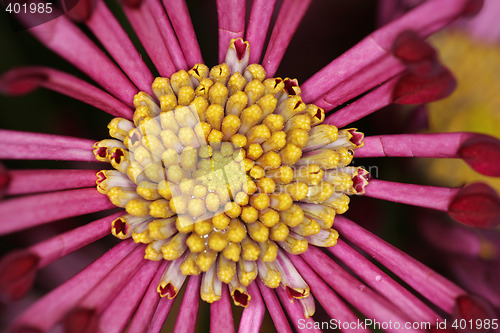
(181, 21)
(147, 31)
(33, 152)
(120, 47)
(63, 244)
(51, 308)
(36, 181)
(65, 39)
(19, 268)
(23, 80)
(381, 282)
(86, 312)
(334, 306)
(427, 282)
(274, 307)
(359, 295)
(476, 205)
(29, 211)
(161, 313)
(371, 56)
(253, 315)
(48, 140)
(364, 106)
(144, 314)
(186, 319)
(481, 152)
(417, 195)
(290, 14)
(221, 315)
(231, 17)
(116, 316)
(157, 13)
(258, 26)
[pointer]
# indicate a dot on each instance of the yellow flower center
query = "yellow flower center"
(226, 169)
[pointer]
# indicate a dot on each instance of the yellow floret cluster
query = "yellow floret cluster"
(219, 170)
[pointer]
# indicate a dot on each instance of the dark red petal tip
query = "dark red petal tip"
(132, 3)
(17, 273)
(476, 205)
(21, 81)
(472, 7)
(416, 89)
(482, 153)
(471, 308)
(409, 47)
(82, 11)
(4, 180)
(81, 320)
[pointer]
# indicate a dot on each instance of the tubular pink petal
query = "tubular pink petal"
(379, 71)
(36, 181)
(371, 56)
(416, 195)
(17, 273)
(290, 14)
(381, 282)
(427, 282)
(186, 319)
(253, 314)
(65, 39)
(157, 13)
(63, 244)
(371, 102)
(31, 152)
(415, 89)
(258, 26)
(274, 307)
(145, 311)
(18, 269)
(51, 308)
(481, 152)
(359, 295)
(221, 315)
(87, 311)
(231, 17)
(181, 21)
(119, 46)
(48, 140)
(29, 211)
(331, 302)
(147, 31)
(296, 313)
(476, 205)
(117, 315)
(161, 313)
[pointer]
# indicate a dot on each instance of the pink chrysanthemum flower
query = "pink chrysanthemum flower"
(228, 180)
